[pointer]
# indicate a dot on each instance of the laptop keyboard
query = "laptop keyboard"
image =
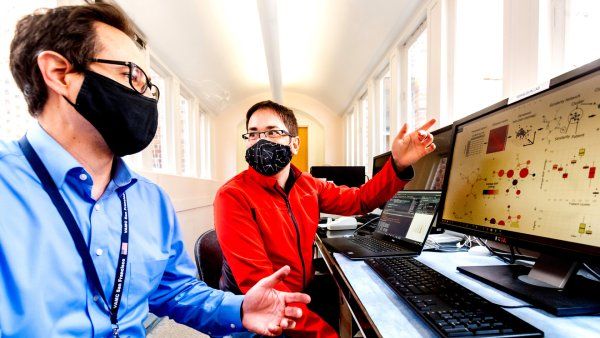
(449, 308)
(373, 244)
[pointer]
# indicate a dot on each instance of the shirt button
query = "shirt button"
(96, 298)
(97, 207)
(232, 326)
(83, 177)
(99, 252)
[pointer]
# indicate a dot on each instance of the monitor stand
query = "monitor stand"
(550, 285)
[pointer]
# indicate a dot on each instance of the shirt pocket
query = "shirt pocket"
(144, 277)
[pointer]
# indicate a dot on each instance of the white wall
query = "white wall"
(229, 125)
(192, 199)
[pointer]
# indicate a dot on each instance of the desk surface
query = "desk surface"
(394, 318)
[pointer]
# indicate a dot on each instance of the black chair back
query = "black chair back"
(209, 258)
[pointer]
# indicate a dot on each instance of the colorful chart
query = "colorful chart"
(532, 168)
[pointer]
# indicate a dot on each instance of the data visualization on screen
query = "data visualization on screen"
(532, 167)
(408, 215)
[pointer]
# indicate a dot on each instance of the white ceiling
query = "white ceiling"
(324, 49)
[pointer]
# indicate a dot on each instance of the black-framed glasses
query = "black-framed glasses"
(138, 80)
(270, 134)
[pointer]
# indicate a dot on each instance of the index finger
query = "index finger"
(296, 297)
(427, 124)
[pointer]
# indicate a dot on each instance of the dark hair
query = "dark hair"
(67, 30)
(286, 114)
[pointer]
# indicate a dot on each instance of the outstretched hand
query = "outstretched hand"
(266, 310)
(408, 148)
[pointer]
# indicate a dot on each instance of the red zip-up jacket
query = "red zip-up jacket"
(261, 228)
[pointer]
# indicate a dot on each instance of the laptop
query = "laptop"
(401, 230)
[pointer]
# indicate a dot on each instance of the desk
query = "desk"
(379, 312)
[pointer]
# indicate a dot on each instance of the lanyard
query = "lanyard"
(82, 248)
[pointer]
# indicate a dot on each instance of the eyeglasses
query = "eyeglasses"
(270, 134)
(138, 80)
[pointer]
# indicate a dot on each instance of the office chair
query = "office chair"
(209, 258)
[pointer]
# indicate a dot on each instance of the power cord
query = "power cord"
(591, 271)
(515, 306)
(507, 257)
(364, 225)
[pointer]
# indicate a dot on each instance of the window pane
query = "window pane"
(364, 130)
(417, 77)
(477, 55)
(14, 116)
(355, 137)
(184, 131)
(205, 149)
(385, 86)
(582, 19)
(159, 145)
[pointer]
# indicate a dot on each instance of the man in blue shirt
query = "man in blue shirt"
(88, 247)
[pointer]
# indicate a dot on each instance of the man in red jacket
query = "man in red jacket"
(266, 217)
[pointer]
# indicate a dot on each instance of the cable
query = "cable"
(515, 306)
(502, 258)
(512, 258)
(591, 271)
(364, 225)
(512, 254)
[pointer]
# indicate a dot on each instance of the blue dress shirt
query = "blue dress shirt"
(43, 287)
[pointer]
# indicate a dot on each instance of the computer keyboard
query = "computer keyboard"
(373, 244)
(451, 309)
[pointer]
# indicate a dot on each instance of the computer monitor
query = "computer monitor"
(430, 170)
(523, 172)
(379, 161)
(351, 176)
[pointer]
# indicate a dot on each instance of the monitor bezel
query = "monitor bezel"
(538, 243)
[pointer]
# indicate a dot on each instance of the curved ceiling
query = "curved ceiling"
(321, 48)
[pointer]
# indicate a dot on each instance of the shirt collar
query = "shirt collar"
(270, 182)
(55, 158)
(59, 162)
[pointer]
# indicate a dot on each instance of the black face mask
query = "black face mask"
(268, 158)
(126, 119)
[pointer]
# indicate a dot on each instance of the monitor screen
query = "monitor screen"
(408, 215)
(430, 170)
(379, 161)
(351, 176)
(527, 171)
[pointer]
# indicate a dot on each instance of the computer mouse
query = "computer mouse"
(479, 250)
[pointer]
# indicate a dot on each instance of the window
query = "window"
(355, 135)
(364, 130)
(348, 122)
(185, 124)
(582, 22)
(158, 146)
(417, 78)
(205, 158)
(385, 83)
(14, 116)
(477, 55)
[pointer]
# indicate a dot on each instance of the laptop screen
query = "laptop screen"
(408, 215)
